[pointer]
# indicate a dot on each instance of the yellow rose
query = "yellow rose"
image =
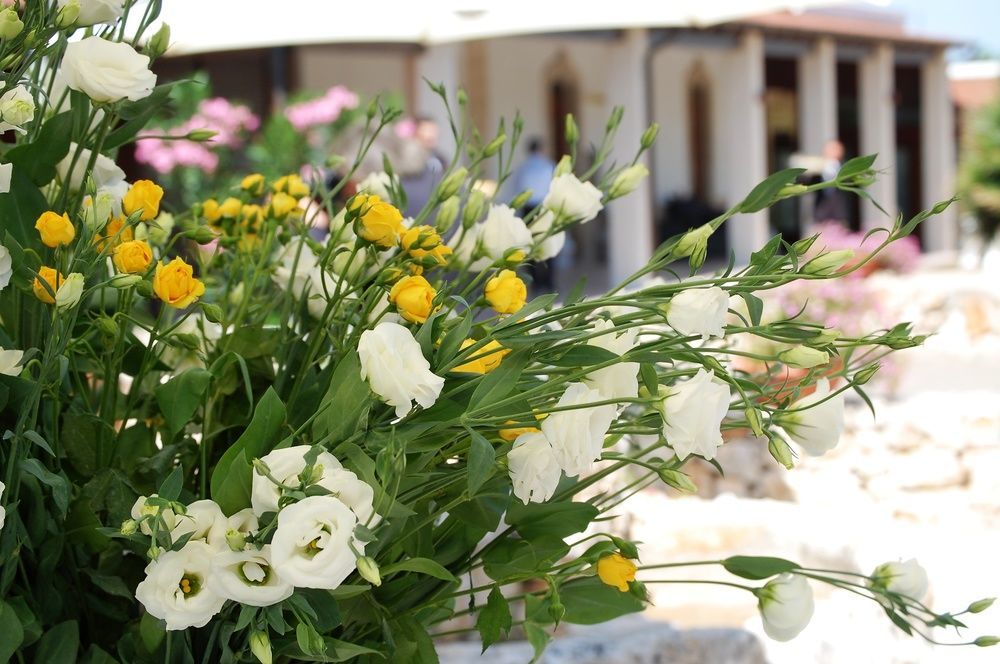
(292, 185)
(175, 284)
(485, 359)
(115, 232)
(511, 434)
(251, 216)
(616, 570)
(132, 257)
(381, 223)
(253, 184)
(51, 277)
(211, 211)
(248, 241)
(414, 297)
(282, 204)
(55, 229)
(230, 208)
(423, 241)
(144, 196)
(506, 293)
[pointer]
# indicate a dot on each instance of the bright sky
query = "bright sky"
(974, 20)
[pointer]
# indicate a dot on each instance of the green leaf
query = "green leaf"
(59, 644)
(452, 341)
(413, 645)
(581, 356)
(11, 632)
(170, 488)
(422, 566)
(539, 303)
(349, 400)
(37, 160)
(500, 382)
(537, 637)
(482, 462)
(764, 193)
(19, 208)
(180, 397)
(856, 166)
(755, 306)
(137, 115)
(58, 483)
(590, 601)
(494, 618)
(757, 567)
(521, 558)
(649, 378)
(233, 474)
(540, 520)
(309, 640)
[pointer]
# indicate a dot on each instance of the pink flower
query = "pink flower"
(323, 110)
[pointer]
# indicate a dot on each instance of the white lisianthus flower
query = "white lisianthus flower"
(396, 369)
(577, 435)
(534, 471)
(377, 184)
(572, 199)
(69, 292)
(93, 12)
(6, 267)
(905, 578)
(3, 511)
(141, 509)
(106, 174)
(501, 231)
(176, 588)
(10, 361)
(285, 465)
(107, 71)
(244, 522)
(17, 108)
(699, 311)
(299, 273)
(692, 415)
(311, 547)
(205, 522)
(248, 578)
(98, 209)
(786, 606)
(619, 380)
(815, 426)
(550, 246)
(6, 173)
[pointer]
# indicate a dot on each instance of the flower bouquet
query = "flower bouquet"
(228, 440)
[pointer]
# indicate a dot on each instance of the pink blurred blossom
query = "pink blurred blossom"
(321, 111)
(406, 128)
(901, 256)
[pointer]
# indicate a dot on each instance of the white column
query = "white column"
(630, 219)
(878, 132)
(937, 136)
(745, 139)
(818, 96)
(438, 64)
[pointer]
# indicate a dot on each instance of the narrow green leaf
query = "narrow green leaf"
(11, 632)
(170, 488)
(482, 461)
(57, 483)
(757, 567)
(649, 378)
(422, 566)
(180, 397)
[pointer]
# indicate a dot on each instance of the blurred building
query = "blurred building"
(734, 102)
(974, 84)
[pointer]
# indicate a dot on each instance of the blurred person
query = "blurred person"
(419, 183)
(535, 173)
(831, 204)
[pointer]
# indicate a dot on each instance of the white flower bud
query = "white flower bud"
(627, 181)
(786, 606)
(70, 291)
(828, 263)
(803, 357)
(368, 569)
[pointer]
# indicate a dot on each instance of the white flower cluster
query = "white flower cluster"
(225, 558)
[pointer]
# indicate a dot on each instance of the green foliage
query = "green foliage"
(979, 172)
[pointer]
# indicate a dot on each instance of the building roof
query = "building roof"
(859, 25)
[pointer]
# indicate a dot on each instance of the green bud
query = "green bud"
(792, 190)
(827, 336)
(866, 373)
(694, 242)
(753, 419)
(129, 527)
(804, 357)
(677, 480)
(201, 234)
(564, 166)
(188, 341)
(451, 184)
(521, 199)
(201, 135)
(144, 288)
(781, 452)
(364, 533)
(462, 96)
(260, 646)
(572, 133)
(828, 263)
(615, 119)
(372, 109)
(335, 161)
(447, 214)
(902, 343)
(159, 42)
(557, 610)
(987, 641)
(368, 570)
(67, 15)
(494, 146)
(261, 468)
(627, 180)
(107, 326)
(11, 24)
(474, 208)
(213, 312)
(649, 136)
(626, 548)
(981, 605)
(236, 540)
(802, 246)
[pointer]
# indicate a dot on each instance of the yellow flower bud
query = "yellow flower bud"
(483, 360)
(253, 184)
(144, 196)
(211, 211)
(380, 222)
(251, 216)
(292, 185)
(423, 241)
(132, 257)
(506, 293)
(414, 297)
(511, 434)
(230, 208)
(616, 570)
(115, 232)
(55, 229)
(49, 276)
(282, 204)
(175, 284)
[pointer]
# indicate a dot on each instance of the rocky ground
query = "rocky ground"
(922, 480)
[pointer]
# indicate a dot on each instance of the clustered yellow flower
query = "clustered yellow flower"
(506, 292)
(132, 257)
(143, 196)
(253, 184)
(616, 570)
(422, 241)
(55, 229)
(380, 222)
(176, 285)
(292, 185)
(413, 296)
(483, 360)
